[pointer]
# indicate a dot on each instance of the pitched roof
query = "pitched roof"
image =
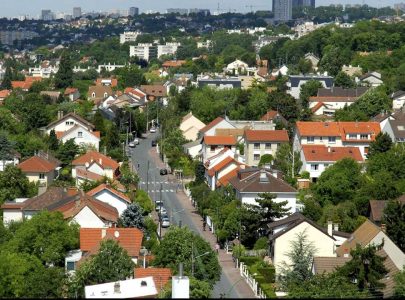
(99, 90)
(398, 128)
(219, 140)
(129, 238)
(70, 90)
(363, 236)
(253, 184)
(161, 276)
(73, 116)
(135, 92)
(83, 173)
(266, 135)
(219, 166)
(156, 90)
(61, 134)
(43, 201)
(397, 94)
(114, 81)
(376, 208)
(26, 84)
(372, 128)
(4, 93)
(230, 131)
(224, 180)
(173, 63)
(328, 264)
(342, 92)
(105, 161)
(107, 187)
(330, 154)
(36, 164)
(211, 124)
(317, 106)
(318, 128)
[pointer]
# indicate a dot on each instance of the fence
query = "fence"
(252, 283)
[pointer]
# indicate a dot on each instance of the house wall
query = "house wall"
(362, 147)
(250, 151)
(12, 215)
(191, 122)
(372, 81)
(191, 133)
(110, 198)
(325, 245)
(223, 124)
(87, 138)
(194, 151)
(65, 125)
(249, 198)
(207, 153)
(398, 102)
(331, 106)
(321, 140)
(87, 219)
(95, 168)
(392, 250)
(34, 177)
(388, 130)
(295, 91)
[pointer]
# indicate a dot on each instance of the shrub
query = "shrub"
(261, 243)
(268, 273)
(249, 260)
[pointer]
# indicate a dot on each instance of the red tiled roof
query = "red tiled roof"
(154, 90)
(266, 135)
(372, 128)
(318, 128)
(91, 156)
(161, 276)
(226, 161)
(135, 92)
(70, 90)
(269, 115)
(219, 140)
(87, 174)
(26, 84)
(129, 238)
(109, 188)
(211, 124)
(4, 93)
(224, 180)
(114, 81)
(317, 106)
(37, 164)
(323, 153)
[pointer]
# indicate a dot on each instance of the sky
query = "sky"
(33, 8)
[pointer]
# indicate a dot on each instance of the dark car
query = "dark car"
(153, 143)
(163, 171)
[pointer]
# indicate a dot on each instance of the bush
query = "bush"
(261, 243)
(268, 289)
(268, 273)
(249, 260)
(238, 251)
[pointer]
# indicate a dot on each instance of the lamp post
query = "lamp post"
(144, 251)
(193, 260)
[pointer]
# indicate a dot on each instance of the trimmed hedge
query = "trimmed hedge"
(249, 260)
(268, 273)
(268, 289)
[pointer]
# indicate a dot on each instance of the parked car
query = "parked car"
(158, 204)
(162, 210)
(136, 141)
(163, 171)
(131, 145)
(152, 129)
(153, 143)
(165, 222)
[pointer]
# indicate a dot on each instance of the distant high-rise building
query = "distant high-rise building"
(296, 3)
(77, 12)
(180, 11)
(282, 10)
(133, 11)
(46, 15)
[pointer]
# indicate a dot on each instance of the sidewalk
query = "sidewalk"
(225, 260)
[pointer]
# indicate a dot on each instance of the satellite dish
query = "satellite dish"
(116, 234)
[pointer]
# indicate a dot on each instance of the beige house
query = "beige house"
(99, 92)
(261, 142)
(190, 126)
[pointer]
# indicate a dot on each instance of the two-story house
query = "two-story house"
(336, 134)
(261, 142)
(398, 99)
(72, 126)
(111, 196)
(212, 145)
(218, 122)
(190, 126)
(316, 158)
(296, 81)
(98, 93)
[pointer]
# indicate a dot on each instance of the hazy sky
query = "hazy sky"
(9, 8)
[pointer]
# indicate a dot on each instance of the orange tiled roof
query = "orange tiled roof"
(135, 92)
(372, 128)
(114, 81)
(129, 238)
(70, 90)
(161, 276)
(36, 164)
(318, 128)
(109, 188)
(83, 173)
(173, 63)
(226, 161)
(211, 124)
(266, 135)
(317, 106)
(224, 180)
(323, 153)
(219, 140)
(96, 156)
(270, 115)
(26, 84)
(4, 93)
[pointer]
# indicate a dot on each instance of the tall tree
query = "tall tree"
(8, 76)
(14, 184)
(132, 217)
(113, 138)
(67, 151)
(53, 142)
(6, 149)
(382, 144)
(64, 77)
(343, 80)
(366, 268)
(271, 210)
(286, 163)
(399, 278)
(309, 89)
(394, 218)
(98, 122)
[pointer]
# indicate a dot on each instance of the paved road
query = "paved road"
(164, 187)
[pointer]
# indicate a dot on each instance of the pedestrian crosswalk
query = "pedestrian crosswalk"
(163, 191)
(157, 182)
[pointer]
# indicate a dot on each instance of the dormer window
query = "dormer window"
(364, 136)
(352, 136)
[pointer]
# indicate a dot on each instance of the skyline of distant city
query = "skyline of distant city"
(26, 7)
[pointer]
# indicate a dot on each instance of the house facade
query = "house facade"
(111, 196)
(296, 81)
(398, 99)
(190, 127)
(212, 145)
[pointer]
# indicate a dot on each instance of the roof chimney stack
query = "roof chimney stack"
(117, 288)
(329, 150)
(330, 228)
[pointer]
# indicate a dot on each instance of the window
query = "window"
(70, 266)
(331, 139)
(213, 148)
(80, 134)
(321, 138)
(256, 157)
(314, 167)
(310, 139)
(93, 95)
(256, 146)
(41, 176)
(364, 136)
(352, 136)
(268, 146)
(105, 95)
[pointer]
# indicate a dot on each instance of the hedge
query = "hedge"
(249, 260)
(268, 273)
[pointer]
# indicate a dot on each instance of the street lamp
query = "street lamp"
(143, 252)
(193, 260)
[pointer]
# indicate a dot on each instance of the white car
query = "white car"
(131, 145)
(152, 129)
(136, 141)
(165, 222)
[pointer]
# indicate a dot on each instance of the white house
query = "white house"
(107, 194)
(219, 122)
(212, 145)
(372, 79)
(190, 126)
(237, 67)
(13, 160)
(296, 81)
(316, 158)
(218, 170)
(96, 163)
(193, 148)
(398, 100)
(249, 183)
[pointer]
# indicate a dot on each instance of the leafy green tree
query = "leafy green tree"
(198, 290)
(6, 149)
(111, 263)
(132, 217)
(261, 243)
(304, 66)
(399, 291)
(309, 89)
(14, 184)
(130, 76)
(64, 76)
(113, 138)
(199, 173)
(8, 76)
(286, 105)
(343, 80)
(47, 236)
(285, 162)
(300, 256)
(271, 210)
(265, 159)
(366, 267)
(67, 151)
(53, 142)
(382, 144)
(333, 59)
(394, 218)
(98, 122)
(176, 247)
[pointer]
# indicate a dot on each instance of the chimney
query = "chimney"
(100, 161)
(117, 288)
(330, 228)
(336, 227)
(383, 227)
(263, 177)
(103, 232)
(329, 149)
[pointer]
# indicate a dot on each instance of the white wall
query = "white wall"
(87, 219)
(85, 139)
(12, 215)
(396, 255)
(249, 198)
(95, 168)
(398, 102)
(109, 198)
(62, 126)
